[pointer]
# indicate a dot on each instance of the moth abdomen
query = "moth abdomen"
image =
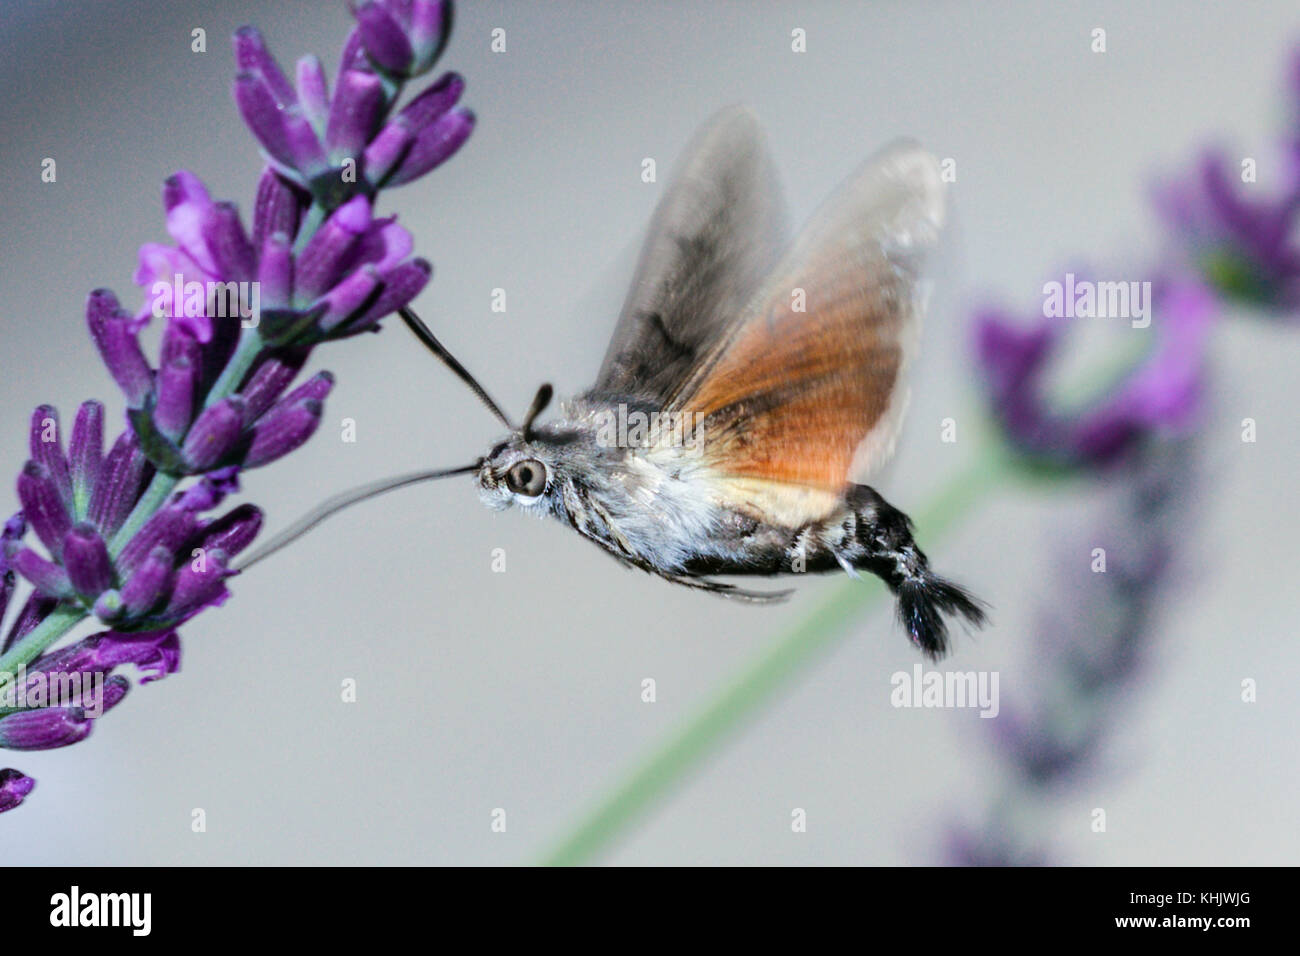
(882, 543)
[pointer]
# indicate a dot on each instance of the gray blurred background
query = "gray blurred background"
(521, 690)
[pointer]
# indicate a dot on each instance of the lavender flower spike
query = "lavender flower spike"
(130, 536)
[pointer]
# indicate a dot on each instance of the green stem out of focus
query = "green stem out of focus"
(773, 669)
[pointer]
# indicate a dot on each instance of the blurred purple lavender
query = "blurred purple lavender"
(1095, 630)
(122, 539)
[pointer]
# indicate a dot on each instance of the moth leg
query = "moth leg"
(720, 588)
(723, 589)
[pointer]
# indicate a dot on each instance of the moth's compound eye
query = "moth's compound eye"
(527, 478)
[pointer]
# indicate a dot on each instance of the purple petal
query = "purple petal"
(188, 204)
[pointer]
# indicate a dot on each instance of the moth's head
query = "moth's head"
(518, 471)
(526, 467)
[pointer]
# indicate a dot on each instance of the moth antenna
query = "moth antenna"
(425, 335)
(540, 401)
(345, 499)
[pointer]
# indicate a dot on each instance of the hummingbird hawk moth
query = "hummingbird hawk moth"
(785, 360)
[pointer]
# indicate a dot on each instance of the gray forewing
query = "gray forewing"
(714, 237)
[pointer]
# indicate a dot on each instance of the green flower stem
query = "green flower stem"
(159, 488)
(773, 670)
(61, 620)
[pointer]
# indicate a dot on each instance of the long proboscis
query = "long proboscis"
(345, 499)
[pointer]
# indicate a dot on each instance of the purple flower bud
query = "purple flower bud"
(210, 490)
(263, 117)
(223, 234)
(304, 145)
(276, 208)
(275, 271)
(149, 584)
(429, 28)
(234, 531)
(252, 56)
(214, 434)
(121, 479)
(200, 583)
(386, 151)
(85, 555)
(170, 528)
(44, 728)
(118, 346)
(321, 262)
(384, 38)
(269, 380)
(43, 506)
(313, 90)
(433, 102)
(46, 576)
(47, 449)
(349, 298)
(177, 383)
(384, 245)
(317, 387)
(401, 285)
(14, 787)
(434, 145)
(108, 607)
(278, 434)
(355, 114)
(86, 453)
